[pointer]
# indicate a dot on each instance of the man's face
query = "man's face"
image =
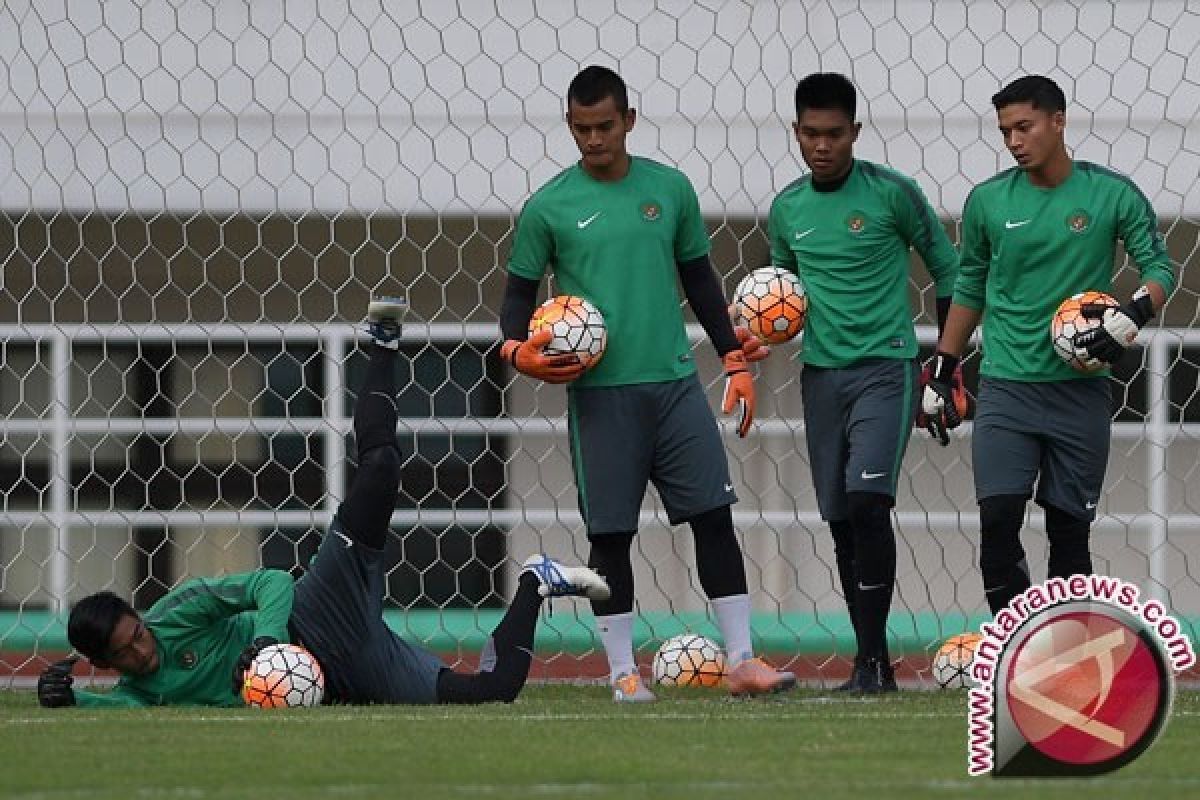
(600, 132)
(826, 138)
(131, 649)
(1031, 135)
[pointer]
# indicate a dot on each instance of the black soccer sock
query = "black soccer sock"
(375, 408)
(843, 556)
(1069, 550)
(512, 643)
(875, 569)
(610, 558)
(1001, 557)
(719, 562)
(366, 513)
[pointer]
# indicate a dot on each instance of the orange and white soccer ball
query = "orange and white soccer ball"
(578, 328)
(952, 662)
(284, 676)
(1068, 320)
(689, 660)
(771, 302)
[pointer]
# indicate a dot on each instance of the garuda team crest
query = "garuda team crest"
(651, 211)
(1078, 221)
(856, 222)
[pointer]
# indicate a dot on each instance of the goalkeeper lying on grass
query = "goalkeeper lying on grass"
(193, 646)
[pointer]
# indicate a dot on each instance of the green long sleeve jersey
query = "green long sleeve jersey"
(850, 249)
(1026, 248)
(200, 628)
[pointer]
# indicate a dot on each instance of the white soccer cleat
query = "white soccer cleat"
(630, 688)
(385, 320)
(559, 580)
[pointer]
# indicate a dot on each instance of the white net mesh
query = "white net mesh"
(197, 200)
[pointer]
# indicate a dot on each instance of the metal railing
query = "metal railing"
(335, 341)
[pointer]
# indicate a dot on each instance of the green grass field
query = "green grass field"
(556, 741)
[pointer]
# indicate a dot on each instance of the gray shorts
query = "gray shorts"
(623, 437)
(1056, 434)
(338, 616)
(857, 421)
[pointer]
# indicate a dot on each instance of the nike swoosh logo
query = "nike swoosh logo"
(870, 476)
(1008, 223)
(349, 542)
(802, 234)
(583, 223)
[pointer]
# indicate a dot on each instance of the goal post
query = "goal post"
(198, 200)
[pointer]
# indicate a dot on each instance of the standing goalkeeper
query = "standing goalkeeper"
(1032, 236)
(622, 232)
(846, 229)
(194, 645)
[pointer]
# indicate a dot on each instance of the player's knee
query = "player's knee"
(609, 556)
(843, 538)
(1069, 537)
(1000, 519)
(870, 517)
(874, 539)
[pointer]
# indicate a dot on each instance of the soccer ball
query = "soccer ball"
(771, 302)
(1069, 320)
(689, 660)
(284, 676)
(952, 663)
(577, 325)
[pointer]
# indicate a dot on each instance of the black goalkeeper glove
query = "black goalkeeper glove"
(54, 686)
(246, 658)
(1118, 327)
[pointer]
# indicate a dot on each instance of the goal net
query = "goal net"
(198, 199)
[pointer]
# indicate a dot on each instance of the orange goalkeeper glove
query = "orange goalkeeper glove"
(530, 358)
(753, 348)
(739, 389)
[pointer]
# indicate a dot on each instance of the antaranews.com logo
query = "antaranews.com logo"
(1075, 677)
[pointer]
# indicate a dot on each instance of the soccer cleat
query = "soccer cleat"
(630, 688)
(385, 320)
(559, 580)
(755, 676)
(870, 676)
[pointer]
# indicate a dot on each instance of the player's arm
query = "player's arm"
(533, 244)
(944, 400)
(1137, 226)
(119, 697)
(919, 225)
(704, 295)
(268, 592)
(55, 690)
(203, 601)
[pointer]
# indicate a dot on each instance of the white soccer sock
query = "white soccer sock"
(733, 618)
(616, 634)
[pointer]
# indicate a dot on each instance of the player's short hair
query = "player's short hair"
(827, 91)
(92, 622)
(1039, 91)
(594, 84)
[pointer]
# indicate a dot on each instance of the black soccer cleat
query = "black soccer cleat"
(870, 676)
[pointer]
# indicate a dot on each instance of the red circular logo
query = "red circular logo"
(1085, 688)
